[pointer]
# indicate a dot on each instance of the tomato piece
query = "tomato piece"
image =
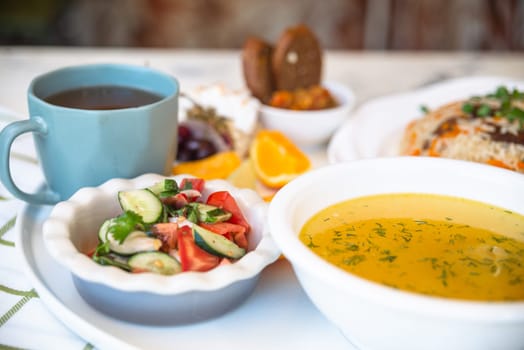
(137, 270)
(192, 257)
(224, 200)
(177, 201)
(191, 195)
(225, 261)
(193, 183)
(167, 233)
(233, 232)
(240, 239)
(223, 228)
(218, 229)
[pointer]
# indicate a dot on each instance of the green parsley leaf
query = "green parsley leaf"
(515, 114)
(517, 95)
(192, 214)
(505, 107)
(354, 260)
(483, 111)
(311, 244)
(388, 258)
(505, 97)
(467, 108)
(170, 185)
(124, 224)
(101, 249)
(424, 109)
(502, 93)
(170, 188)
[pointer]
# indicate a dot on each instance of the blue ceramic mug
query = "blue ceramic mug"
(80, 147)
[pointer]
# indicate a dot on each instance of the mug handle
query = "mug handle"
(7, 136)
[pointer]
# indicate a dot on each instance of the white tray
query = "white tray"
(277, 316)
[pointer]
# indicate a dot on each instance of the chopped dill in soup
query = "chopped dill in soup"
(431, 244)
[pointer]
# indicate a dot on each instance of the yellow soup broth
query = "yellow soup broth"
(435, 245)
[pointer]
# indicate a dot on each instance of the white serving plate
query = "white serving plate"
(376, 127)
(277, 315)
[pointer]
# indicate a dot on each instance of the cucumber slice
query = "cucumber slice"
(165, 188)
(102, 232)
(136, 241)
(143, 202)
(156, 262)
(216, 244)
(113, 259)
(211, 214)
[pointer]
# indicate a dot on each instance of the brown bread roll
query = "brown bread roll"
(256, 63)
(297, 59)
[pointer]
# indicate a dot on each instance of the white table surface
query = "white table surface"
(25, 320)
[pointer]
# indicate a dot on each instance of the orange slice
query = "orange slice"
(276, 159)
(217, 166)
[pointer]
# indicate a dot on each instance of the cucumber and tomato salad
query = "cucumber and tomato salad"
(167, 228)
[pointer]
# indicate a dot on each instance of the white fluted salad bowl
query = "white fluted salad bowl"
(70, 233)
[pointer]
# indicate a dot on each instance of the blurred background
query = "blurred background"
(486, 25)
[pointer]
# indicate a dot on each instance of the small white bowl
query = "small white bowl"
(371, 315)
(70, 233)
(310, 128)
